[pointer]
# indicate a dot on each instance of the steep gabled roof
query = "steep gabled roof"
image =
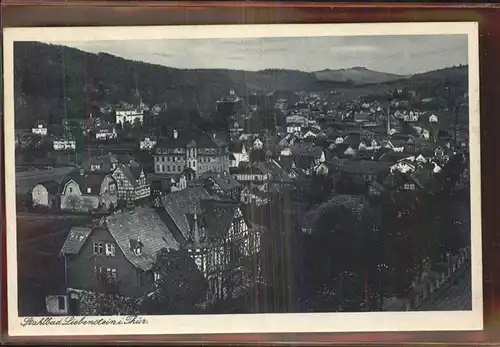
(236, 146)
(366, 167)
(86, 181)
(218, 216)
(201, 140)
(105, 161)
(75, 240)
(181, 203)
(226, 182)
(132, 171)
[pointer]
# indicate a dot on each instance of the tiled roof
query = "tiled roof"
(85, 181)
(303, 162)
(106, 128)
(377, 186)
(236, 147)
(283, 143)
(366, 167)
(75, 240)
(181, 203)
(202, 140)
(144, 225)
(132, 171)
(307, 149)
(257, 155)
(422, 176)
(286, 162)
(349, 201)
(106, 162)
(226, 183)
(218, 216)
(214, 216)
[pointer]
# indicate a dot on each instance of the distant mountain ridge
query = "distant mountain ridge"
(357, 75)
(52, 82)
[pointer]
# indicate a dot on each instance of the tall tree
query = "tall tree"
(180, 286)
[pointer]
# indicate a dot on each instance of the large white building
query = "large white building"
(147, 144)
(130, 116)
(39, 129)
(106, 132)
(64, 144)
(198, 151)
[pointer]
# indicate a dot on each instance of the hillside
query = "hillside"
(356, 75)
(53, 82)
(45, 73)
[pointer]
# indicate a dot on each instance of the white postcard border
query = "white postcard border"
(252, 323)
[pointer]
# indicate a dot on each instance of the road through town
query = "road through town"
(454, 295)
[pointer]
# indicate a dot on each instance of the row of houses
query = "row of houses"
(101, 184)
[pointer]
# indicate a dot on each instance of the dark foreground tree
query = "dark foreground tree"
(180, 286)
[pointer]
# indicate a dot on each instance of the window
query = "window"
(70, 190)
(163, 168)
(168, 167)
(98, 248)
(179, 168)
(89, 190)
(61, 303)
(157, 168)
(106, 275)
(110, 275)
(110, 249)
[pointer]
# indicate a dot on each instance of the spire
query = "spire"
(389, 120)
(196, 230)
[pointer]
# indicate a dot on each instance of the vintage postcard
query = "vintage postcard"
(243, 179)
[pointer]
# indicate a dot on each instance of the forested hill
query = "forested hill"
(52, 82)
(44, 73)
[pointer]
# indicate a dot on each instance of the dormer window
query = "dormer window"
(136, 246)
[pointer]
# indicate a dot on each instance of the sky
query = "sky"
(402, 55)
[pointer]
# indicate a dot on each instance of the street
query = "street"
(454, 295)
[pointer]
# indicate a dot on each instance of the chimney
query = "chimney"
(176, 134)
(82, 172)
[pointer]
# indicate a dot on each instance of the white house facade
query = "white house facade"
(64, 144)
(147, 144)
(130, 116)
